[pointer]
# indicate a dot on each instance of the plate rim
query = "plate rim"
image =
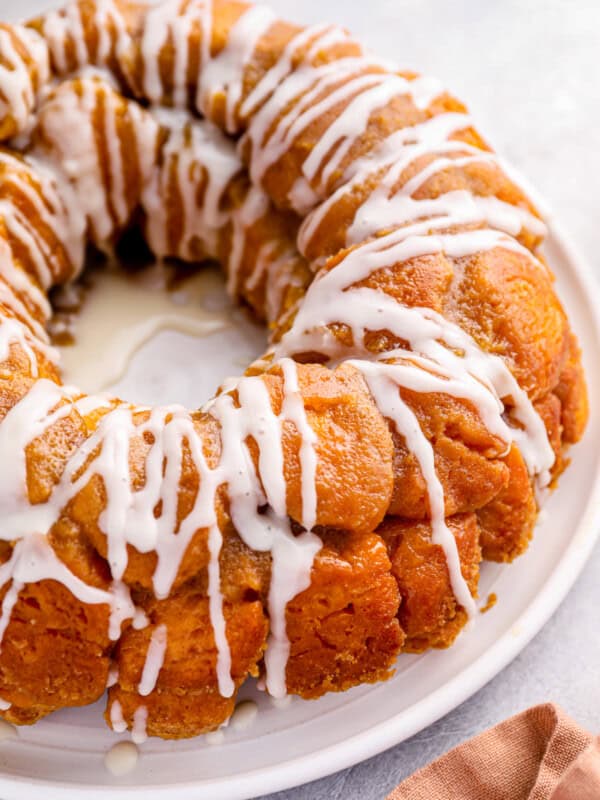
(424, 712)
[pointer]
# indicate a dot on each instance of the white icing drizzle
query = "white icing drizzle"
(173, 20)
(117, 721)
(384, 208)
(394, 153)
(20, 78)
(138, 730)
(256, 204)
(33, 559)
(21, 285)
(54, 28)
(108, 17)
(335, 144)
(293, 410)
(4, 704)
(460, 207)
(224, 73)
(275, 268)
(265, 259)
(24, 422)
(292, 556)
(272, 133)
(219, 75)
(320, 36)
(154, 660)
(292, 560)
(334, 297)
(73, 17)
(21, 295)
(12, 301)
(163, 20)
(113, 676)
(313, 92)
(55, 210)
(280, 275)
(70, 142)
(66, 119)
(12, 332)
(140, 619)
(64, 27)
(203, 156)
(385, 391)
(206, 164)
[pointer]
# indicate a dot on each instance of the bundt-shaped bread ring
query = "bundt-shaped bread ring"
(329, 509)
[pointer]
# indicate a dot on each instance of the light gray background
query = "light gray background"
(530, 72)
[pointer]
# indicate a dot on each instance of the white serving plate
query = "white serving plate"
(62, 757)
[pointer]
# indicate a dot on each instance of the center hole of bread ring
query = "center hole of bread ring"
(151, 331)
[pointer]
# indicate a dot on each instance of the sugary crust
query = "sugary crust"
(429, 614)
(343, 629)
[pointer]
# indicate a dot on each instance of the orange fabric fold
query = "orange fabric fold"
(540, 754)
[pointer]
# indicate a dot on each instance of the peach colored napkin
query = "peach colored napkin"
(540, 754)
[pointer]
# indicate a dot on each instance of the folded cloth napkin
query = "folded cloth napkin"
(540, 754)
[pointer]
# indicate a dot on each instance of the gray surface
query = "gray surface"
(529, 71)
